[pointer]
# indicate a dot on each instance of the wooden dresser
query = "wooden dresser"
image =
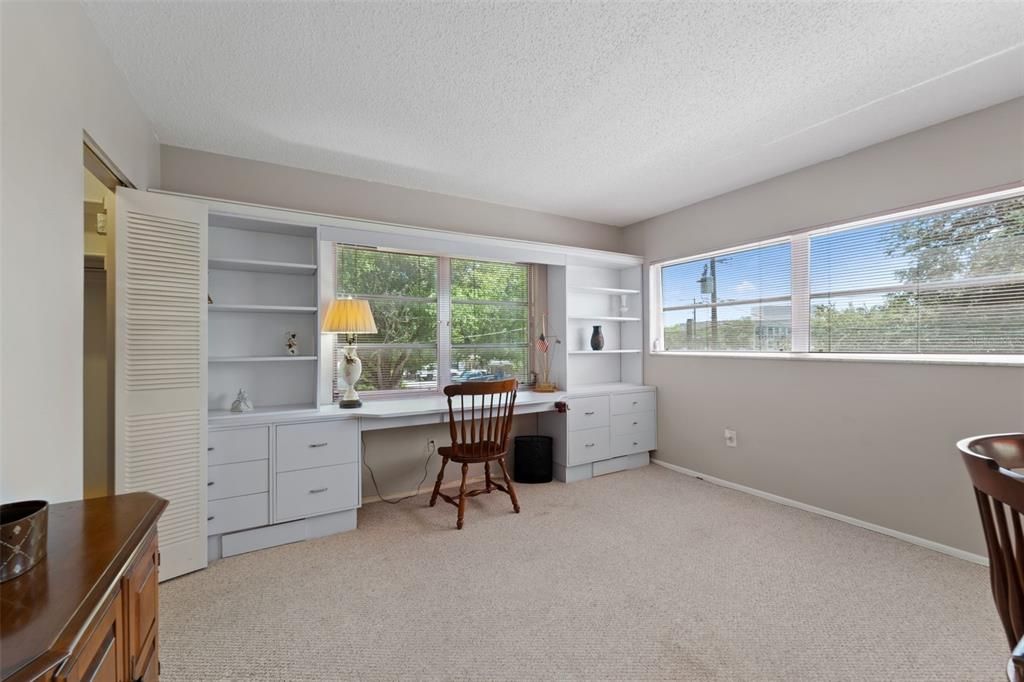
(89, 610)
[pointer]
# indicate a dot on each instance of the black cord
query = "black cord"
(376, 488)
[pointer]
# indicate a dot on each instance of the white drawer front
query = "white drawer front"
(588, 413)
(638, 422)
(625, 403)
(232, 480)
(238, 445)
(237, 513)
(317, 444)
(629, 443)
(588, 446)
(309, 492)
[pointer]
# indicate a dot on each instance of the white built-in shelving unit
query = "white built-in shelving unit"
(262, 279)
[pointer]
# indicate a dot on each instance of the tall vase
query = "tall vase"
(597, 338)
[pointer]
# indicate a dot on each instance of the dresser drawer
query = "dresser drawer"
(236, 513)
(626, 403)
(638, 422)
(587, 446)
(588, 413)
(238, 445)
(629, 443)
(309, 492)
(317, 444)
(232, 480)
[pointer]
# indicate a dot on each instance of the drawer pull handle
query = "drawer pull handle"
(635, 443)
(635, 402)
(314, 491)
(317, 445)
(589, 414)
(210, 518)
(635, 423)
(209, 483)
(209, 449)
(589, 445)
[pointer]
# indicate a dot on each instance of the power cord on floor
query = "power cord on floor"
(376, 488)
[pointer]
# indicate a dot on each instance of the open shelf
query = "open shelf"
(604, 318)
(617, 351)
(232, 308)
(262, 266)
(604, 290)
(265, 358)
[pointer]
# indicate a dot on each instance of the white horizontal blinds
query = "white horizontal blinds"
(943, 282)
(490, 320)
(160, 385)
(732, 301)
(403, 293)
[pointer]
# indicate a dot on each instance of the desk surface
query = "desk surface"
(402, 409)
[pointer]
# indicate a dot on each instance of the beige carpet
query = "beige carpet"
(643, 575)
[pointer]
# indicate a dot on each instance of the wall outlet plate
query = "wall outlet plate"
(730, 438)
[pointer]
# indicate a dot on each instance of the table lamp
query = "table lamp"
(350, 316)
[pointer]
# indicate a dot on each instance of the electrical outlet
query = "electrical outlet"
(730, 438)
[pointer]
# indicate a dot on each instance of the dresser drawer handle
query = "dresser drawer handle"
(209, 449)
(589, 414)
(318, 445)
(636, 402)
(635, 443)
(589, 445)
(209, 483)
(635, 423)
(210, 518)
(314, 491)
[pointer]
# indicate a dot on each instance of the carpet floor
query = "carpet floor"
(641, 575)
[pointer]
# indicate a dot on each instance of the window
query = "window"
(439, 320)
(947, 279)
(737, 301)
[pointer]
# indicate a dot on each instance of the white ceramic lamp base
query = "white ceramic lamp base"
(350, 371)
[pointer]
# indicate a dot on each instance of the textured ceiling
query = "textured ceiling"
(607, 111)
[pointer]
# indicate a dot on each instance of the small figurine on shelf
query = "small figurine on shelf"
(242, 402)
(292, 343)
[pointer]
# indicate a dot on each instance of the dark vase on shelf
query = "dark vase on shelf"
(597, 338)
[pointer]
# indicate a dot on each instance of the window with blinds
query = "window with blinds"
(439, 320)
(490, 329)
(734, 301)
(943, 282)
(945, 279)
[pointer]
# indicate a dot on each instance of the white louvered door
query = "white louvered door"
(160, 366)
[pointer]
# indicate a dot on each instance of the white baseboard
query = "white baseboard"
(906, 537)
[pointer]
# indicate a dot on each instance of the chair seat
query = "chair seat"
(484, 451)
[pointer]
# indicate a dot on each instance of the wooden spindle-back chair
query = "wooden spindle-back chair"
(999, 491)
(479, 418)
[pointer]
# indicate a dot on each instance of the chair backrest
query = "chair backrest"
(1000, 495)
(480, 416)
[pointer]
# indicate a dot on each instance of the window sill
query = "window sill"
(977, 360)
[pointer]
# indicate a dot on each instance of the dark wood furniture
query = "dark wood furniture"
(479, 434)
(999, 491)
(89, 610)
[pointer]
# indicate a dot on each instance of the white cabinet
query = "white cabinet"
(237, 513)
(316, 444)
(309, 492)
(238, 445)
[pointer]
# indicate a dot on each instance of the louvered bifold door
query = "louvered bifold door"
(160, 408)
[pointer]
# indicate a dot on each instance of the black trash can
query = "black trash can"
(532, 459)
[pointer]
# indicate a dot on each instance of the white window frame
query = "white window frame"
(444, 311)
(800, 293)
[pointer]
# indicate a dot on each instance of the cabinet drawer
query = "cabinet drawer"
(236, 513)
(588, 446)
(638, 422)
(626, 403)
(238, 445)
(309, 492)
(629, 443)
(588, 413)
(232, 480)
(317, 444)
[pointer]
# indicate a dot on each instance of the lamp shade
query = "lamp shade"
(349, 316)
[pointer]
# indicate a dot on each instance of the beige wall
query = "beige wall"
(226, 177)
(869, 440)
(57, 81)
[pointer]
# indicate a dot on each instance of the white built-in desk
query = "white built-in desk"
(285, 474)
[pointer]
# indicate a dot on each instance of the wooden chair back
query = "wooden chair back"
(480, 418)
(999, 492)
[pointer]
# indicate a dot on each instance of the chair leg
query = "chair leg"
(462, 496)
(437, 485)
(508, 484)
(487, 476)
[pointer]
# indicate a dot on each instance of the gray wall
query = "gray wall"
(227, 177)
(871, 440)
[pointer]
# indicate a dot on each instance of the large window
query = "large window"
(942, 280)
(439, 320)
